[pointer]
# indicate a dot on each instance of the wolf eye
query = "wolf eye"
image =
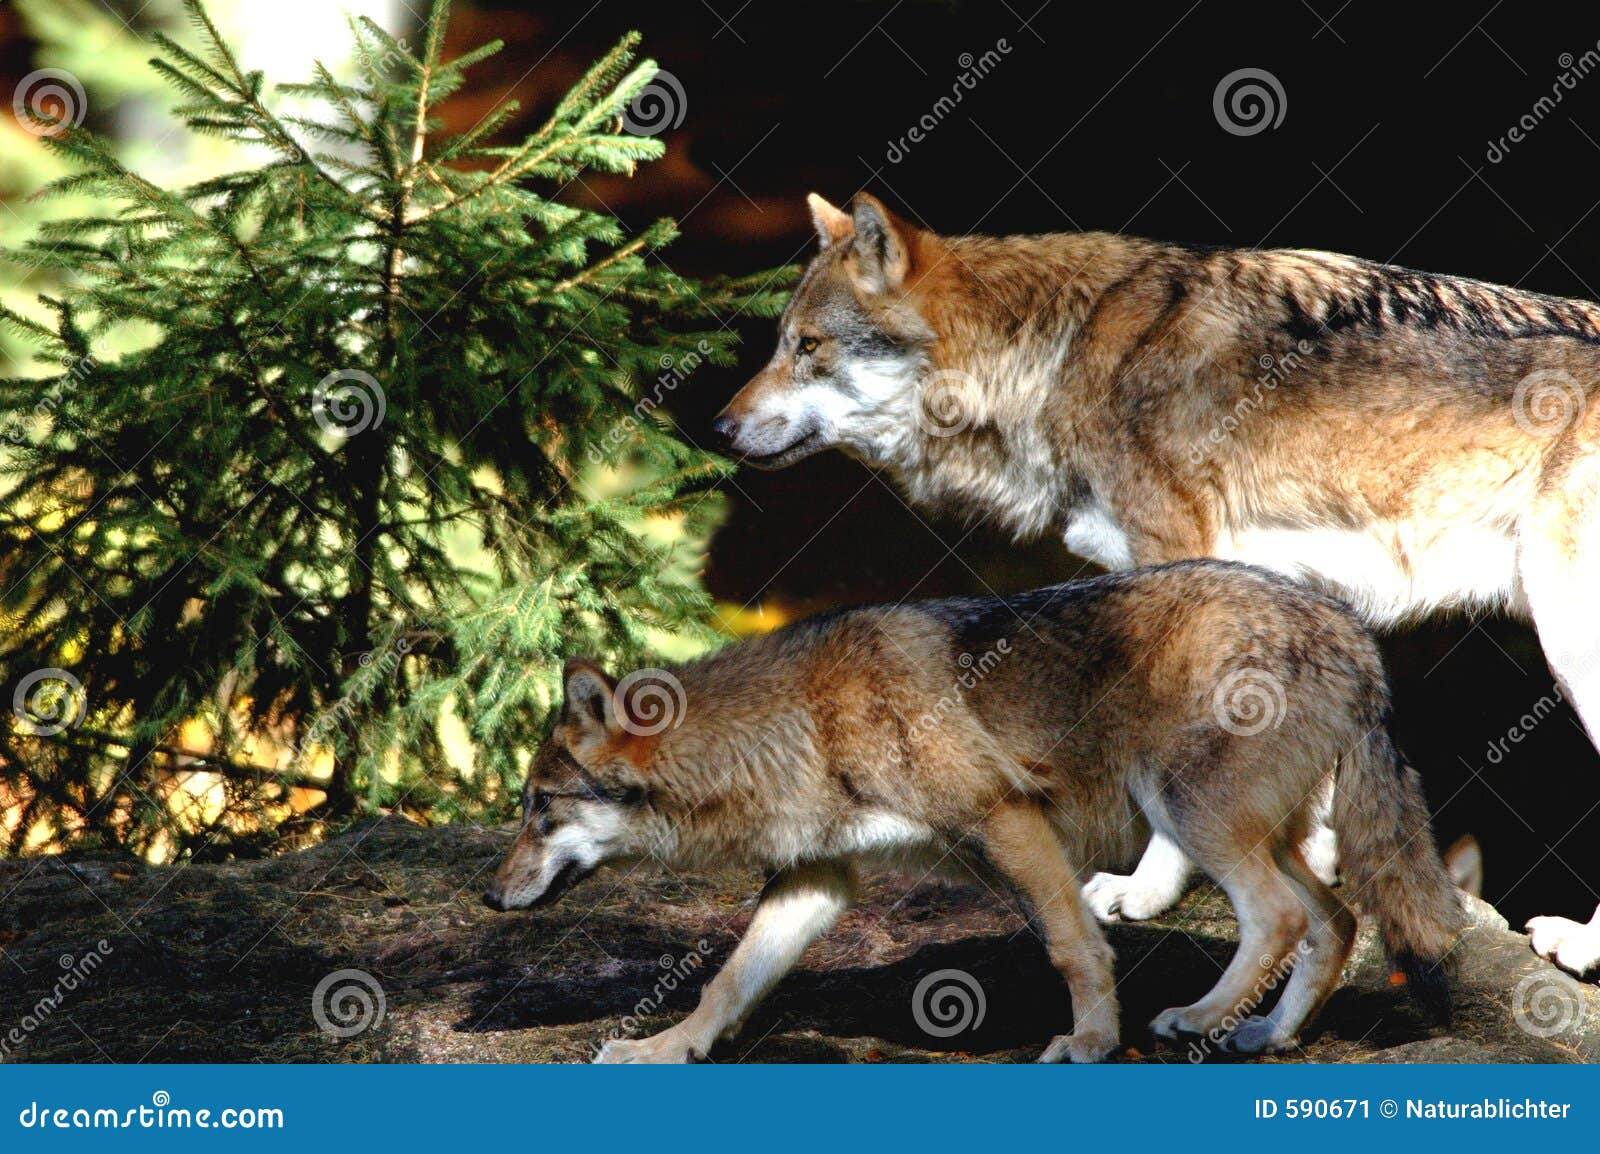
(807, 346)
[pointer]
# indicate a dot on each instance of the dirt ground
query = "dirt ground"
(223, 963)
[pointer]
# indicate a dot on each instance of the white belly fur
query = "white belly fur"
(1389, 573)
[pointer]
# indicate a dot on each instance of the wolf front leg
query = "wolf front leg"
(1020, 842)
(1153, 888)
(798, 906)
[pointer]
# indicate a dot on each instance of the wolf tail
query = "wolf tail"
(1393, 870)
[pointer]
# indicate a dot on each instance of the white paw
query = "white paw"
(1177, 1020)
(1570, 945)
(1118, 897)
(1257, 1035)
(1084, 1046)
(670, 1047)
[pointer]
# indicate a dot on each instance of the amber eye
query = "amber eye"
(807, 346)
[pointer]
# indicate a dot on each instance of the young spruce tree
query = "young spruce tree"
(344, 500)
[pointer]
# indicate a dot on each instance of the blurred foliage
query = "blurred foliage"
(336, 455)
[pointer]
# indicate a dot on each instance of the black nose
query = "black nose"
(491, 898)
(726, 429)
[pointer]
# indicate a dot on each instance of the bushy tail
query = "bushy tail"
(1392, 869)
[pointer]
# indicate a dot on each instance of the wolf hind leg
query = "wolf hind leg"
(1154, 887)
(1021, 844)
(798, 906)
(1318, 961)
(1559, 565)
(1272, 919)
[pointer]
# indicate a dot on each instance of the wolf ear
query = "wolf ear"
(833, 224)
(880, 246)
(589, 707)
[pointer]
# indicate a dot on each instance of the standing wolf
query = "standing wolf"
(1407, 441)
(1026, 739)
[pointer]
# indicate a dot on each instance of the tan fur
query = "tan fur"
(1032, 738)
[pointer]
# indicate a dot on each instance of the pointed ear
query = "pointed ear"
(881, 247)
(833, 224)
(589, 708)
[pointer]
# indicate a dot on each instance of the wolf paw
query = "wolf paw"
(1177, 1020)
(1084, 1046)
(666, 1048)
(1257, 1035)
(1573, 947)
(1118, 897)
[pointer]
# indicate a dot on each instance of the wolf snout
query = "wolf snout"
(492, 898)
(725, 428)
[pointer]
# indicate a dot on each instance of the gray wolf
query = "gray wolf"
(1406, 441)
(1027, 739)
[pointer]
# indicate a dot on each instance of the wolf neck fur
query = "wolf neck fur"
(974, 433)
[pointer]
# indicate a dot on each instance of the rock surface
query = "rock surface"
(223, 963)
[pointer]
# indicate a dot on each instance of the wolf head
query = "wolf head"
(852, 348)
(586, 800)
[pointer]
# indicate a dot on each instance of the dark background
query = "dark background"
(1101, 117)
